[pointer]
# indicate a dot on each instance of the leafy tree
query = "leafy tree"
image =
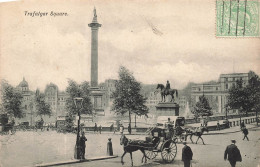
(127, 96)
(78, 90)
(202, 107)
(11, 100)
(245, 98)
(69, 123)
(42, 108)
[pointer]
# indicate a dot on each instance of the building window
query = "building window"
(226, 86)
(234, 79)
(226, 79)
(25, 107)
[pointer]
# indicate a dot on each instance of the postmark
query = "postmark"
(236, 18)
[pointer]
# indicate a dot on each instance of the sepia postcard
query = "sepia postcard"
(129, 83)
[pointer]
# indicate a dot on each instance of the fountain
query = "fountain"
(187, 112)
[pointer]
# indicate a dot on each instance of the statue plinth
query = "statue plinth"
(96, 95)
(167, 109)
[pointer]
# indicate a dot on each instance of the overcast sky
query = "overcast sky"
(156, 40)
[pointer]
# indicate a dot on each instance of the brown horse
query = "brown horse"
(131, 146)
(196, 132)
(165, 92)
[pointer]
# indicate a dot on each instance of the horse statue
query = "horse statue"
(131, 146)
(39, 124)
(196, 132)
(165, 92)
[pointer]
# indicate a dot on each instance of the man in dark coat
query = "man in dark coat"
(242, 125)
(245, 132)
(129, 129)
(186, 155)
(82, 144)
(95, 128)
(233, 154)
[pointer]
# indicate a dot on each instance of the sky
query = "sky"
(157, 40)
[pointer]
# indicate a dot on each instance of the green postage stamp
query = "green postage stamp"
(237, 18)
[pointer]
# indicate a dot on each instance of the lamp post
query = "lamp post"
(78, 103)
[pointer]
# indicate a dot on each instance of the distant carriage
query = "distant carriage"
(7, 127)
(39, 125)
(24, 126)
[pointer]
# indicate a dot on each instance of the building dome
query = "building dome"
(23, 83)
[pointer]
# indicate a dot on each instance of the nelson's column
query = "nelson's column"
(96, 93)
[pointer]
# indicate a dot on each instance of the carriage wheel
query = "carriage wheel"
(150, 154)
(169, 151)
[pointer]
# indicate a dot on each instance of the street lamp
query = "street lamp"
(78, 103)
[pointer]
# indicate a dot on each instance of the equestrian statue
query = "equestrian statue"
(165, 91)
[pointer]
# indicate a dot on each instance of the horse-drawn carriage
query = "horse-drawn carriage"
(174, 125)
(161, 140)
(6, 126)
(39, 124)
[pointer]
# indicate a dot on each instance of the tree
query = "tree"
(11, 100)
(202, 107)
(78, 90)
(245, 98)
(42, 108)
(127, 96)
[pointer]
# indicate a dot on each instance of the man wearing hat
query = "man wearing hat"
(186, 154)
(233, 154)
(82, 143)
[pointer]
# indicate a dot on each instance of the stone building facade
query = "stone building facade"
(217, 92)
(56, 99)
(27, 103)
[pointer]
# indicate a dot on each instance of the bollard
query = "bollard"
(109, 147)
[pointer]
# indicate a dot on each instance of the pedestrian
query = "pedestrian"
(186, 154)
(233, 154)
(82, 144)
(129, 129)
(242, 125)
(245, 132)
(112, 127)
(100, 128)
(121, 129)
(95, 128)
(109, 147)
(218, 126)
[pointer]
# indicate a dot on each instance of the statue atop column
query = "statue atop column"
(95, 16)
(95, 12)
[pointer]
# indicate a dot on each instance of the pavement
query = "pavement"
(216, 132)
(209, 155)
(30, 148)
(75, 161)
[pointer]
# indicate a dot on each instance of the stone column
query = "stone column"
(94, 50)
